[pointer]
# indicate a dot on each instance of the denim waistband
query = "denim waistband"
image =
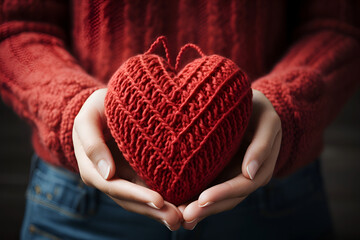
(60, 189)
(59, 197)
(47, 168)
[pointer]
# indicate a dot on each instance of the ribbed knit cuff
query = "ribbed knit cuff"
(68, 116)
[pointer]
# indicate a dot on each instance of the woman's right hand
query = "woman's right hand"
(119, 181)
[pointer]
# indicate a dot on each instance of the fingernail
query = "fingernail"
(104, 168)
(193, 227)
(206, 204)
(252, 168)
(167, 225)
(151, 204)
(191, 221)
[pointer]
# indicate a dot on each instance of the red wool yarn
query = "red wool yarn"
(178, 129)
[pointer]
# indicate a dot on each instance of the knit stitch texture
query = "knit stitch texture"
(303, 55)
(178, 130)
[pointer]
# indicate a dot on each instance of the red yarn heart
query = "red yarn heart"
(178, 129)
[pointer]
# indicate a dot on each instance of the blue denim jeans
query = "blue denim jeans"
(60, 206)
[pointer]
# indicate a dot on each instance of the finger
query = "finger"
(88, 125)
(125, 190)
(260, 148)
(192, 217)
(266, 124)
(182, 208)
(169, 215)
(193, 214)
(238, 186)
(191, 224)
(118, 188)
(241, 186)
(271, 161)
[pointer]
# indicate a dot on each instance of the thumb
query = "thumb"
(260, 148)
(88, 133)
(267, 125)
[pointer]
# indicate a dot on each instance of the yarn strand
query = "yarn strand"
(160, 40)
(182, 51)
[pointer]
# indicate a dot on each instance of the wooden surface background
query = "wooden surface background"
(341, 168)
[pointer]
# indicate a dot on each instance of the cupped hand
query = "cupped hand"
(258, 154)
(98, 169)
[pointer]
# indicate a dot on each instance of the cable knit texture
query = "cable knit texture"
(178, 129)
(303, 55)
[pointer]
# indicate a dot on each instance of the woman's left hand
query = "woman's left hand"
(264, 134)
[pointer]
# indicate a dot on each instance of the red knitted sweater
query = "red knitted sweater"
(305, 57)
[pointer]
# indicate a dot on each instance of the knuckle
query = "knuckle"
(92, 150)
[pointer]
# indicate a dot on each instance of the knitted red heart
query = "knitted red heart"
(178, 129)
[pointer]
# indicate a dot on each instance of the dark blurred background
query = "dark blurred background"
(341, 167)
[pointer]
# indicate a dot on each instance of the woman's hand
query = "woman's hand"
(98, 169)
(264, 134)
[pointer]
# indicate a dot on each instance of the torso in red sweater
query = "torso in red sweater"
(304, 58)
(250, 33)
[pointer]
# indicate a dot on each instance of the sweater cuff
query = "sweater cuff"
(295, 96)
(68, 116)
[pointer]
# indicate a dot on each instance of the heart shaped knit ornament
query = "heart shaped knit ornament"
(178, 129)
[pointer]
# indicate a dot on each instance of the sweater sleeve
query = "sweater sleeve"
(313, 80)
(39, 78)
